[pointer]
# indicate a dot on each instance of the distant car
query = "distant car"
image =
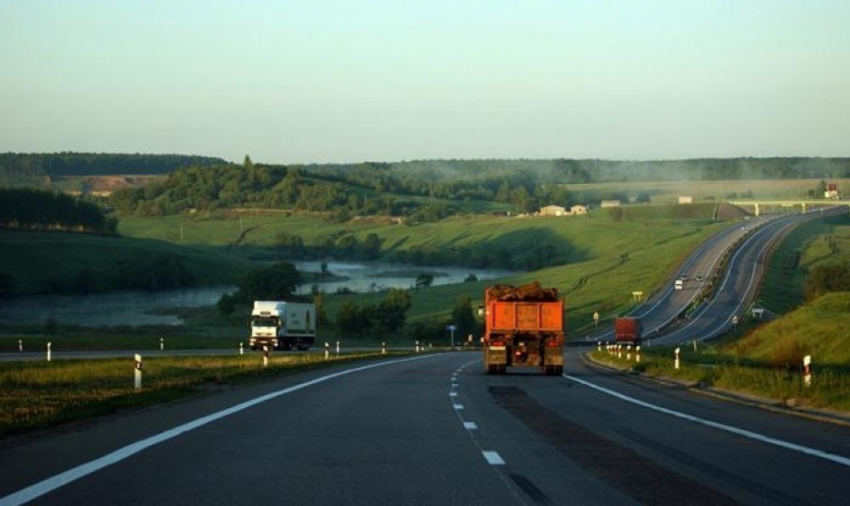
(684, 276)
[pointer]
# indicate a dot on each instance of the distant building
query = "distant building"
(578, 210)
(610, 203)
(553, 211)
(832, 192)
(686, 199)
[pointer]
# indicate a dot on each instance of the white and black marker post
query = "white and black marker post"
(383, 348)
(265, 356)
(327, 350)
(807, 370)
(337, 347)
(241, 348)
(137, 372)
(49, 345)
(21, 345)
(676, 362)
(161, 343)
(637, 354)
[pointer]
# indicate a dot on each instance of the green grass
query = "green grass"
(43, 394)
(36, 260)
(605, 260)
(819, 242)
(768, 361)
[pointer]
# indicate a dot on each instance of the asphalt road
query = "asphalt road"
(434, 429)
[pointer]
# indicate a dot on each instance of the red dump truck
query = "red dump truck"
(524, 327)
(627, 329)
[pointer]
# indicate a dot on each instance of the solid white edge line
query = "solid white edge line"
(48, 485)
(838, 459)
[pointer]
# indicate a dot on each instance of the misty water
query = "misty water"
(137, 308)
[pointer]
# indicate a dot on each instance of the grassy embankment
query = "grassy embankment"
(765, 358)
(39, 260)
(43, 394)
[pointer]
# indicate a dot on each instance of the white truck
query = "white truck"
(282, 325)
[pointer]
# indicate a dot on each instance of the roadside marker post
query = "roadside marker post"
(598, 345)
(265, 356)
(137, 372)
(337, 347)
(241, 349)
(383, 348)
(161, 343)
(807, 370)
(637, 354)
(676, 362)
(327, 350)
(49, 345)
(417, 346)
(629, 352)
(21, 345)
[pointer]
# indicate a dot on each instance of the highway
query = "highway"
(435, 429)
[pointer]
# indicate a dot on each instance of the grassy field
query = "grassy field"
(768, 361)
(821, 242)
(36, 260)
(43, 394)
(606, 260)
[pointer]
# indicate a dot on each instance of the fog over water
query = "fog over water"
(137, 308)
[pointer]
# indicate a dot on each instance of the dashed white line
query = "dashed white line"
(493, 458)
(457, 407)
(470, 426)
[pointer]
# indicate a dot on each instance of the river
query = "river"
(137, 308)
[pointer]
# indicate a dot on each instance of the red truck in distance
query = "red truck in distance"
(628, 330)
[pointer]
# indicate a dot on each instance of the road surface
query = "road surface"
(434, 429)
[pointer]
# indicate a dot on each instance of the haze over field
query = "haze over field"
(346, 81)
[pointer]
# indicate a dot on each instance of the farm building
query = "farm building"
(553, 211)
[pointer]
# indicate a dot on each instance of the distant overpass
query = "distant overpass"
(805, 205)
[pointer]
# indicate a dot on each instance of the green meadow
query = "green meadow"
(605, 259)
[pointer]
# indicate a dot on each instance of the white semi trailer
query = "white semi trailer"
(282, 325)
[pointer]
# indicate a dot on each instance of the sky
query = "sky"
(319, 81)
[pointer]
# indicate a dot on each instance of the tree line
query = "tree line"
(26, 209)
(30, 169)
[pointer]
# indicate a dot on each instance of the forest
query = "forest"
(26, 209)
(423, 191)
(30, 169)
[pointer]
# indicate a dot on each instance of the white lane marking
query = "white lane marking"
(452, 394)
(493, 458)
(838, 459)
(458, 407)
(470, 426)
(48, 485)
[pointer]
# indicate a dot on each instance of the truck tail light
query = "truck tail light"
(553, 343)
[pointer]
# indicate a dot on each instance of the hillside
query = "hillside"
(53, 262)
(818, 329)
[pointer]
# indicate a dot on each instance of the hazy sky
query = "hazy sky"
(381, 80)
